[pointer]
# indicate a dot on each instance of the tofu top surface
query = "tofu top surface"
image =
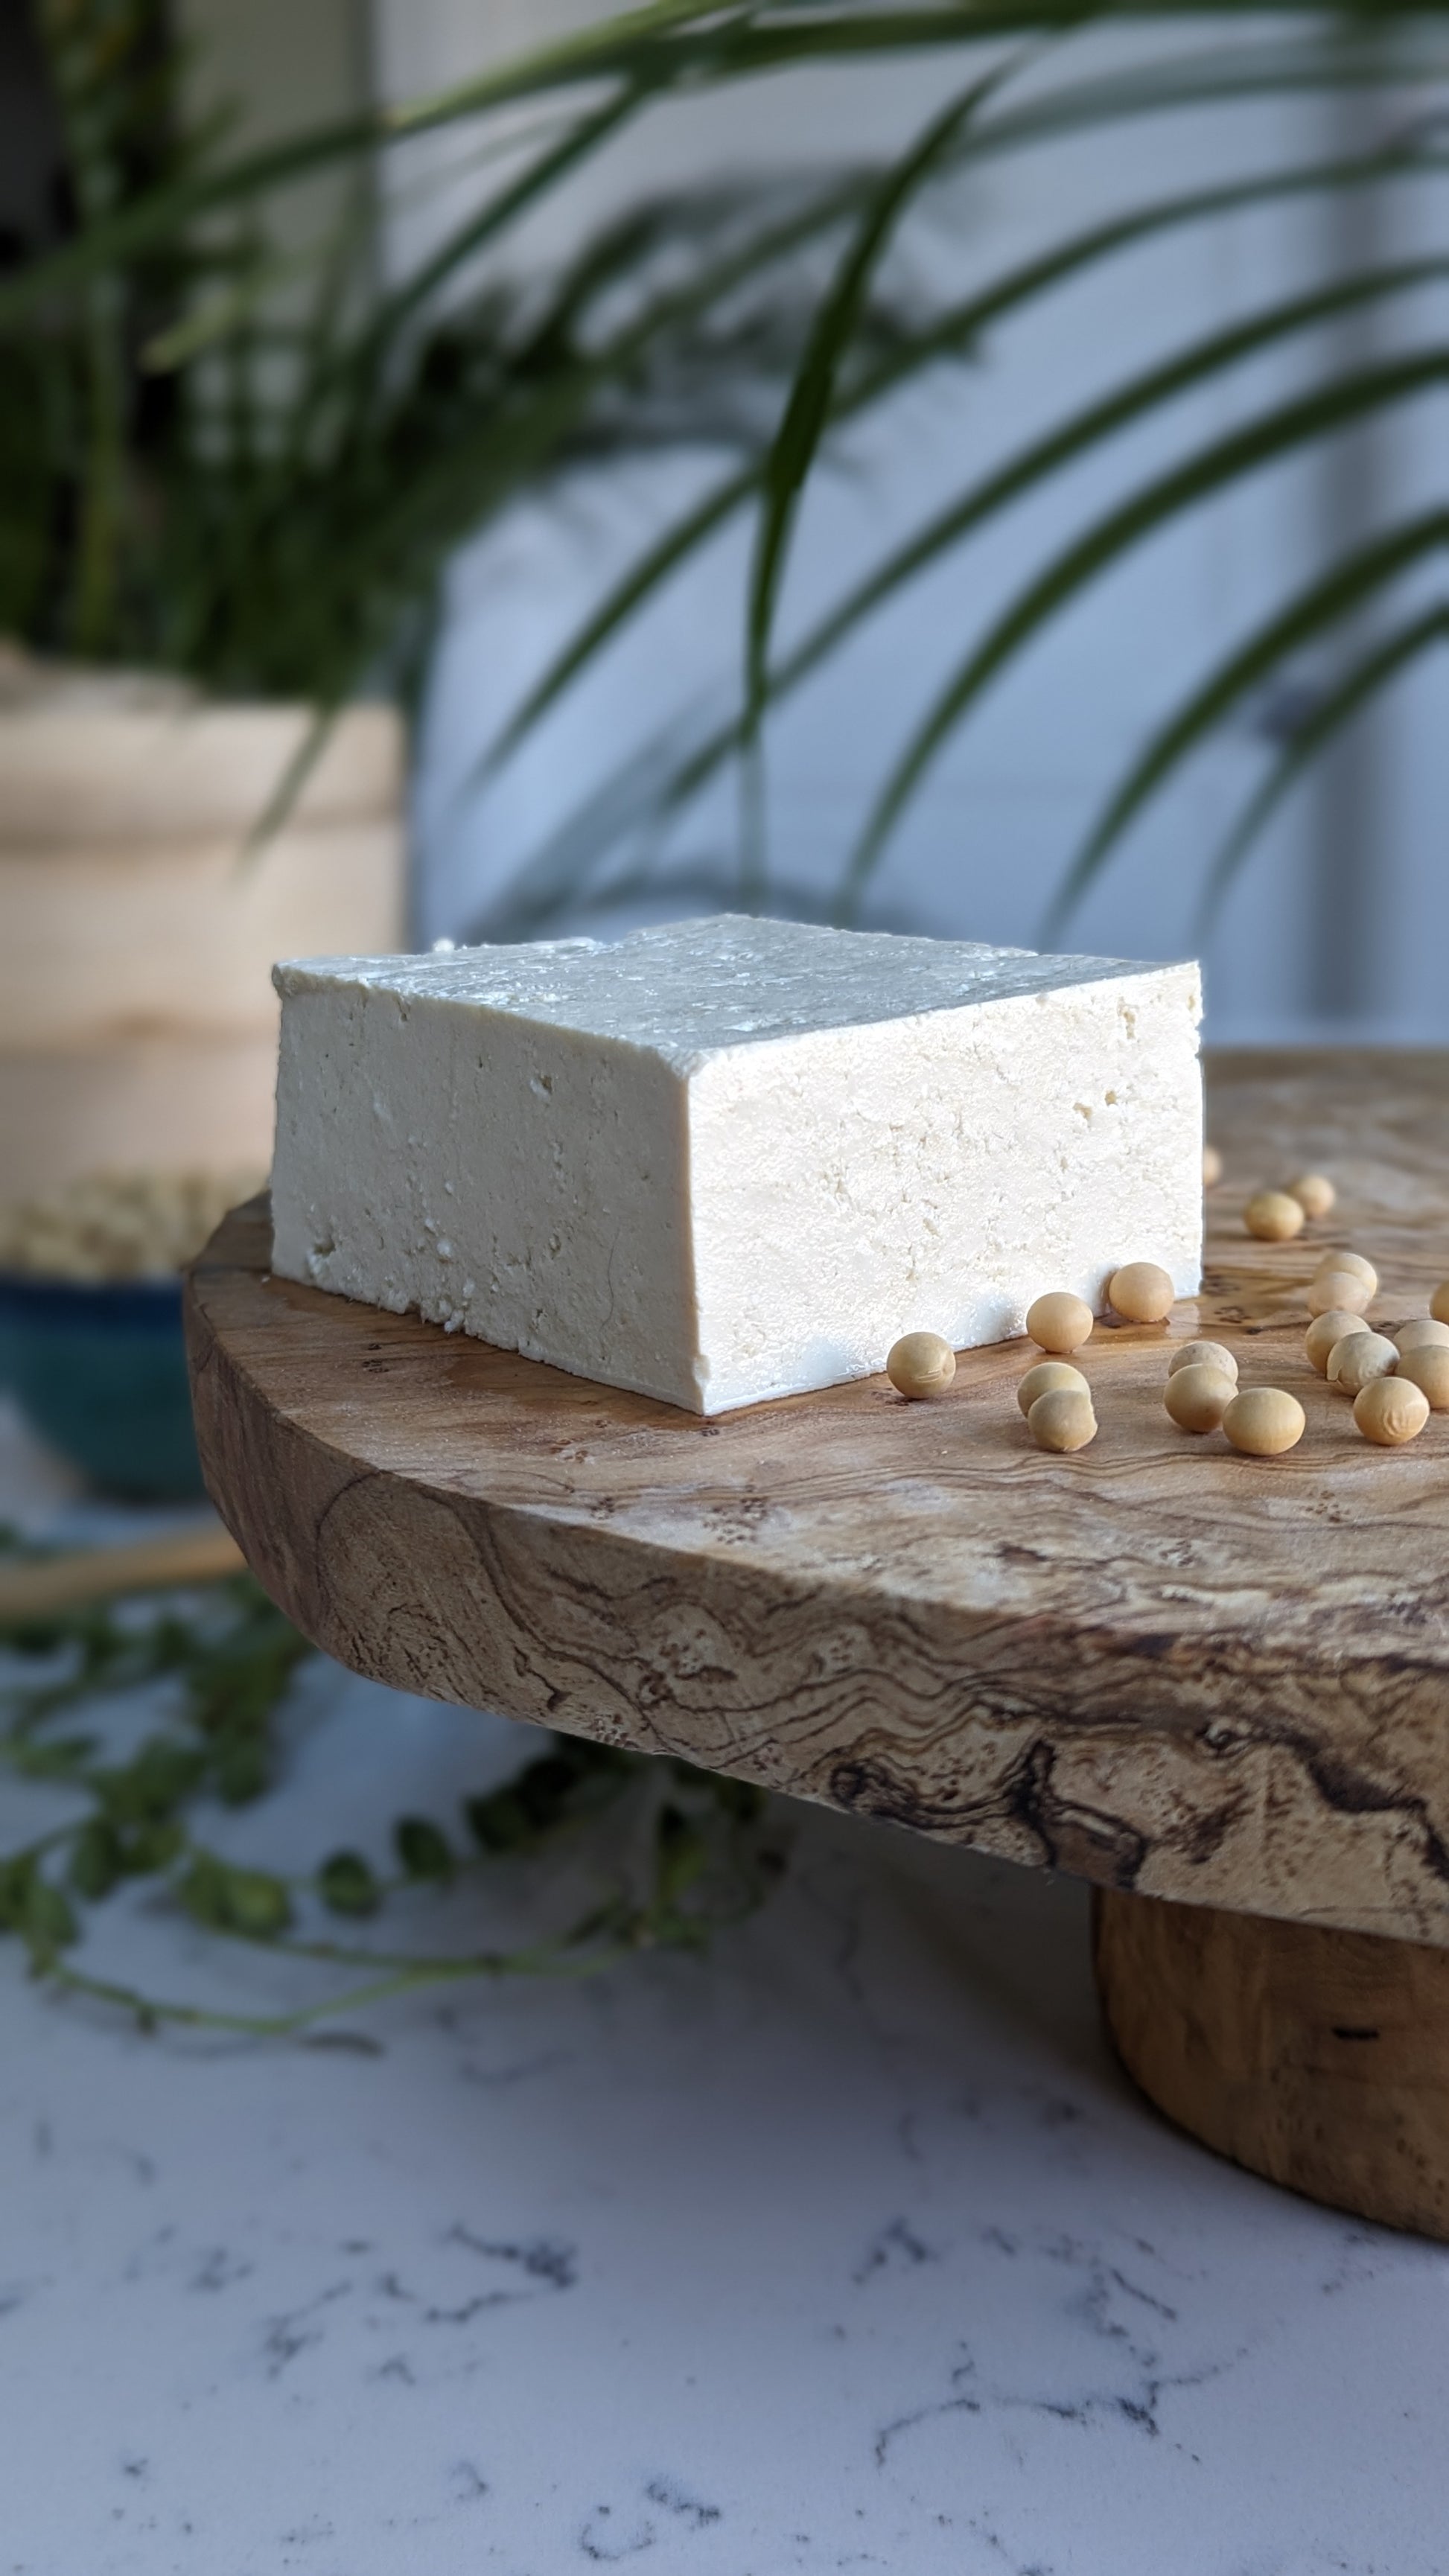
(688, 989)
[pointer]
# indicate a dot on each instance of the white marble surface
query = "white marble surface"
(846, 2248)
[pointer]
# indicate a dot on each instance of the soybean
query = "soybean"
(1203, 1355)
(1198, 1397)
(1427, 1366)
(1439, 1303)
(1314, 1192)
(1264, 1421)
(1062, 1420)
(1422, 1334)
(1141, 1291)
(1212, 1167)
(1049, 1377)
(1359, 1359)
(920, 1364)
(1059, 1321)
(1326, 1332)
(1391, 1410)
(1351, 1261)
(1273, 1216)
(1338, 1291)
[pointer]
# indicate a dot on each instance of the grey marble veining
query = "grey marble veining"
(847, 2248)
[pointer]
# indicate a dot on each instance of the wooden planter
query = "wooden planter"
(137, 1018)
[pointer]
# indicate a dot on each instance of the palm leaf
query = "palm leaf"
(1365, 680)
(1322, 604)
(946, 336)
(1284, 430)
(811, 396)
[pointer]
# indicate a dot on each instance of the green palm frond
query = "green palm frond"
(270, 503)
(1365, 680)
(1323, 604)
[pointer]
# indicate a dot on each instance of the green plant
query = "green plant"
(1022, 86)
(250, 464)
(675, 1854)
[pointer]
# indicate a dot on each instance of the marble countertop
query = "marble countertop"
(845, 2247)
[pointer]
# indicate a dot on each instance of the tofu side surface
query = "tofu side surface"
(501, 1179)
(719, 1223)
(940, 1173)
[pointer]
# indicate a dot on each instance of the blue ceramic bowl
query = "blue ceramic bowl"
(100, 1372)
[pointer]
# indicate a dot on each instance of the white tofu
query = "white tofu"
(730, 1159)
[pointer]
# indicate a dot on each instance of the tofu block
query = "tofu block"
(725, 1160)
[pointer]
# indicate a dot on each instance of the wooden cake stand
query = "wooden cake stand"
(1217, 1687)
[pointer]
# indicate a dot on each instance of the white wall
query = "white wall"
(989, 838)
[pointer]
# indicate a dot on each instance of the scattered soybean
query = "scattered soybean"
(920, 1364)
(1326, 1332)
(1427, 1366)
(1140, 1291)
(1264, 1421)
(1391, 1410)
(1273, 1216)
(1358, 1359)
(1198, 1397)
(1049, 1377)
(1060, 1322)
(1203, 1355)
(1062, 1420)
(1315, 1193)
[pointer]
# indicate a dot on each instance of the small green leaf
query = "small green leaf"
(97, 1860)
(259, 1904)
(16, 1879)
(242, 1769)
(347, 1885)
(150, 1848)
(203, 1893)
(226, 1899)
(423, 1851)
(149, 1789)
(49, 1922)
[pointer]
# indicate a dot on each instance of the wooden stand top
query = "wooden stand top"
(1156, 1664)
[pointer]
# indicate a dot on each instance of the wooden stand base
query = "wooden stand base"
(1317, 2058)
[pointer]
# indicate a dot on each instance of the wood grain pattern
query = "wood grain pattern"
(1155, 1664)
(1319, 2059)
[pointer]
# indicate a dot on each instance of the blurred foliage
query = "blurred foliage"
(675, 1853)
(1032, 77)
(269, 505)
(247, 461)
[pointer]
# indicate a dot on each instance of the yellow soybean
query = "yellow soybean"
(920, 1364)
(1203, 1355)
(1314, 1192)
(1273, 1216)
(1048, 1378)
(1356, 1361)
(1141, 1291)
(1338, 1292)
(1264, 1421)
(1351, 1261)
(1422, 1334)
(1062, 1420)
(1326, 1332)
(1427, 1366)
(1059, 1321)
(1390, 1411)
(1198, 1397)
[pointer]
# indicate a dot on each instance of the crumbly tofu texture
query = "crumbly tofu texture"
(727, 1160)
